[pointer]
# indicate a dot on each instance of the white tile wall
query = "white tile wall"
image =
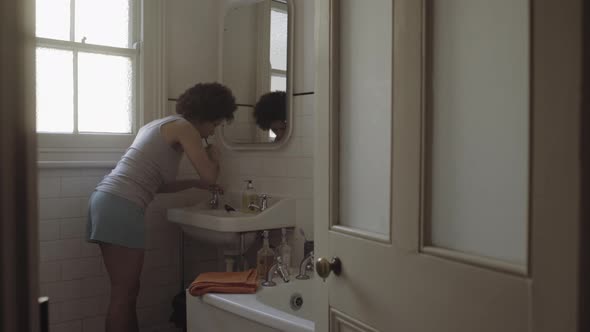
(67, 327)
(94, 324)
(50, 271)
(48, 231)
(81, 268)
(49, 187)
(78, 186)
(72, 272)
(72, 228)
(300, 168)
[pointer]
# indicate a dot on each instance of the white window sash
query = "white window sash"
(76, 47)
(148, 57)
(85, 47)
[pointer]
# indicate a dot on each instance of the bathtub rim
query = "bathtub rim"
(249, 307)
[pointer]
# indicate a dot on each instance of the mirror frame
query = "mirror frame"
(290, 42)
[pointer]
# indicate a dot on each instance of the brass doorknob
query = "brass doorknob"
(323, 266)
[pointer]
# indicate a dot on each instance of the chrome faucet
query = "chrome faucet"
(277, 268)
(306, 265)
(263, 205)
(214, 201)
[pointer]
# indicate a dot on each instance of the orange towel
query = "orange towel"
(225, 282)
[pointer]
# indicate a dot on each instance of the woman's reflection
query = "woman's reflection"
(271, 114)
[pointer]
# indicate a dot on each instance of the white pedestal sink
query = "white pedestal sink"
(232, 230)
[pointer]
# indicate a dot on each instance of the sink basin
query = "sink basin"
(219, 227)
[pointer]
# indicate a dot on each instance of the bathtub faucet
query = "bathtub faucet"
(306, 265)
(277, 268)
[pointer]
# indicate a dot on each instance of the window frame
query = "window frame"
(280, 7)
(60, 143)
(265, 70)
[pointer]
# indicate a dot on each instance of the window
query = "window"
(278, 50)
(87, 67)
(278, 46)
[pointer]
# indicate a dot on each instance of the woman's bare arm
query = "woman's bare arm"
(190, 140)
(180, 185)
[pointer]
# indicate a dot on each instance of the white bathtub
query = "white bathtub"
(267, 310)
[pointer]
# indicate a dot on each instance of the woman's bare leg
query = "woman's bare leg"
(124, 268)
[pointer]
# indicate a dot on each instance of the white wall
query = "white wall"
(192, 29)
(239, 67)
(240, 46)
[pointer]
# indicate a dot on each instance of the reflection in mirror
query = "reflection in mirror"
(270, 114)
(255, 66)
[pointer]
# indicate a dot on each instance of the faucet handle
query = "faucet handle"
(264, 201)
(310, 265)
(281, 269)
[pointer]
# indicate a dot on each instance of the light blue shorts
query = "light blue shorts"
(116, 220)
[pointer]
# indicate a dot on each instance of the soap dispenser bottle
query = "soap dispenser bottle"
(248, 196)
(284, 250)
(264, 258)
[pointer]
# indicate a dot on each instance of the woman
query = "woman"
(116, 208)
(270, 113)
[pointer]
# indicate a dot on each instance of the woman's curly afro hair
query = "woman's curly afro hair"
(207, 102)
(271, 107)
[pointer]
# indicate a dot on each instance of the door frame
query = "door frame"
(585, 156)
(19, 246)
(556, 56)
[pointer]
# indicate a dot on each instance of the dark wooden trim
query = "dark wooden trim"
(584, 313)
(19, 246)
(303, 93)
(556, 191)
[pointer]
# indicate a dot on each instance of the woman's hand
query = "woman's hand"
(214, 187)
(213, 153)
(202, 159)
(181, 185)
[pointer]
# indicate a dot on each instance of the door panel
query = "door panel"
(396, 278)
(365, 112)
(340, 322)
(478, 119)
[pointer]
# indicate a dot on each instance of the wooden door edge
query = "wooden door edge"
(584, 304)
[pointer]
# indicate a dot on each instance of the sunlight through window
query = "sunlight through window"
(86, 67)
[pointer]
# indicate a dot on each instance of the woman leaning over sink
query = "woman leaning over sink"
(117, 206)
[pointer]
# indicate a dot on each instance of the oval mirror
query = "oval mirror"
(256, 64)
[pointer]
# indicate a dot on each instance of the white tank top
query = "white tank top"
(147, 164)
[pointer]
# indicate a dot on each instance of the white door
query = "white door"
(447, 179)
